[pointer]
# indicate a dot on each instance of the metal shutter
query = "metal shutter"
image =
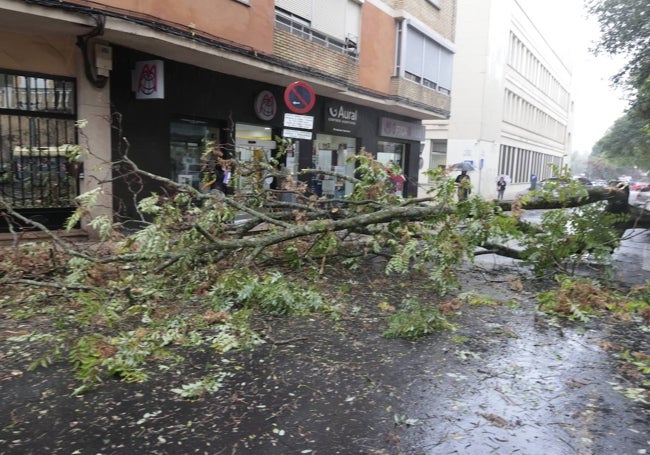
(302, 8)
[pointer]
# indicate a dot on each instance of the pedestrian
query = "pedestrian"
(501, 188)
(464, 185)
(397, 179)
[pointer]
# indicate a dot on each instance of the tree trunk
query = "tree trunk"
(617, 200)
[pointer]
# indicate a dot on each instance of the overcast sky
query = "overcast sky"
(597, 103)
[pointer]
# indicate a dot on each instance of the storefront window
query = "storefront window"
(189, 140)
(333, 153)
(391, 154)
(254, 145)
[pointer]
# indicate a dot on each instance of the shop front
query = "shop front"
(334, 150)
(202, 115)
(347, 127)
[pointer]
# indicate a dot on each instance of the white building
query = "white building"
(511, 109)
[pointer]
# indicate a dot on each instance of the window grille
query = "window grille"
(520, 163)
(37, 136)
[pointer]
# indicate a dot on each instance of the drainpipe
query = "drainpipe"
(88, 52)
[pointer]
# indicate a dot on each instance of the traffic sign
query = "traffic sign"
(299, 97)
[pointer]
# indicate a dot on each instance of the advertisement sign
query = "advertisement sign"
(399, 129)
(341, 118)
(265, 105)
(149, 80)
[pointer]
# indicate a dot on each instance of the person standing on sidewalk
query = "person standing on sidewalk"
(464, 186)
(501, 187)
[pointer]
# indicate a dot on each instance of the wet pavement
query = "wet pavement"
(543, 389)
(507, 380)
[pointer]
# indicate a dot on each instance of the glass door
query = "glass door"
(189, 142)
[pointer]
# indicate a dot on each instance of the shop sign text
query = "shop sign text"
(399, 129)
(341, 118)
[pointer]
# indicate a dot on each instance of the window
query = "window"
(333, 23)
(37, 135)
(437, 155)
(391, 153)
(425, 60)
(191, 142)
(520, 163)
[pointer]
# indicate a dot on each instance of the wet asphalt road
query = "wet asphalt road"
(507, 381)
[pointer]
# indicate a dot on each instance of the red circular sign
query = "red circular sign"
(299, 97)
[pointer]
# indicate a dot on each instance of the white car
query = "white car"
(640, 196)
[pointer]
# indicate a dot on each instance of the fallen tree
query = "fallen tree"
(184, 225)
(201, 261)
(556, 196)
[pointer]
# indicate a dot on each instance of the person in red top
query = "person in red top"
(396, 177)
(398, 182)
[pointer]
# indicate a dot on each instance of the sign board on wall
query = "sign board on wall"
(149, 80)
(305, 122)
(297, 134)
(399, 129)
(341, 118)
(265, 105)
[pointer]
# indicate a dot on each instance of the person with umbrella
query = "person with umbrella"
(464, 185)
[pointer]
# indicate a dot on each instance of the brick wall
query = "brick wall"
(442, 19)
(413, 91)
(305, 53)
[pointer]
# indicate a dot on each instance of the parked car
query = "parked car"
(640, 195)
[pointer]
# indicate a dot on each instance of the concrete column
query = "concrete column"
(95, 139)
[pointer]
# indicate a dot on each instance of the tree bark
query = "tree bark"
(617, 200)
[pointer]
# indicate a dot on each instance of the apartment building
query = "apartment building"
(158, 81)
(511, 113)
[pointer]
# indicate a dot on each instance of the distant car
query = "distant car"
(640, 195)
(564, 181)
(599, 182)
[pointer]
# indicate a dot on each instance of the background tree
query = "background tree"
(625, 30)
(626, 144)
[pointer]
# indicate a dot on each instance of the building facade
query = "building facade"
(511, 113)
(158, 81)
